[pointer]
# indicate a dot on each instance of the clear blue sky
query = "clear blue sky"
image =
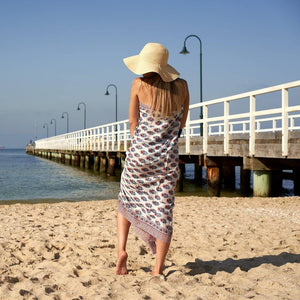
(56, 53)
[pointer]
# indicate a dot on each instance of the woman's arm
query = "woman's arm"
(186, 105)
(134, 112)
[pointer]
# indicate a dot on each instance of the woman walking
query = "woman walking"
(158, 110)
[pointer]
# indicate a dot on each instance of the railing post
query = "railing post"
(187, 138)
(226, 127)
(119, 136)
(285, 121)
(113, 138)
(205, 125)
(107, 138)
(252, 126)
(125, 136)
(102, 138)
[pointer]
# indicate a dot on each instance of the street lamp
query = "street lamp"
(54, 125)
(185, 51)
(62, 116)
(44, 126)
(107, 93)
(78, 108)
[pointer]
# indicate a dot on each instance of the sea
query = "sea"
(28, 178)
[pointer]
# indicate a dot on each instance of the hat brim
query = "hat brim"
(134, 64)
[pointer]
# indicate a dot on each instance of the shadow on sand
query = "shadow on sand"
(245, 264)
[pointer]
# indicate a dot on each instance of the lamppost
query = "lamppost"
(185, 51)
(54, 125)
(107, 93)
(44, 126)
(62, 116)
(78, 108)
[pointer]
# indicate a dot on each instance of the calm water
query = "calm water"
(25, 177)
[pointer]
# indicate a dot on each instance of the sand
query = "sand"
(222, 248)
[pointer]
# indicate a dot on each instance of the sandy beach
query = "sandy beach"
(222, 248)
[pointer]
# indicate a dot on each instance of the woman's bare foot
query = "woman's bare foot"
(156, 272)
(121, 268)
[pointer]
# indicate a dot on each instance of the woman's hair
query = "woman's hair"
(166, 97)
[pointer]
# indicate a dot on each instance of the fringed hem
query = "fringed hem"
(147, 233)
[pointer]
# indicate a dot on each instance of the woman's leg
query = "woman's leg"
(161, 253)
(123, 226)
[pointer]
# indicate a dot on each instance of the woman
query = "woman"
(158, 108)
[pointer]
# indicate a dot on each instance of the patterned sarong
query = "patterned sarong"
(149, 177)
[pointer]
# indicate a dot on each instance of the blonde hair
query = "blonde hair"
(166, 97)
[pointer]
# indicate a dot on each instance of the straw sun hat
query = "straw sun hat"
(152, 58)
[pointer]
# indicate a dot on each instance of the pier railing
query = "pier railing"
(217, 120)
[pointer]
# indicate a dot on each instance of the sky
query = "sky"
(57, 53)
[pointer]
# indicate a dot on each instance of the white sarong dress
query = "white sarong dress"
(149, 177)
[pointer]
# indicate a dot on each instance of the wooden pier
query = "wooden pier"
(268, 166)
(265, 143)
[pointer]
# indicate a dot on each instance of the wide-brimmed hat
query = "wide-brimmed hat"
(152, 58)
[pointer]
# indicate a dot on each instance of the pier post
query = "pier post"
(245, 176)
(82, 160)
(213, 181)
(213, 175)
(122, 158)
(111, 164)
(67, 159)
(63, 158)
(96, 162)
(228, 175)
(76, 160)
(103, 164)
(179, 184)
(87, 161)
(262, 181)
(296, 182)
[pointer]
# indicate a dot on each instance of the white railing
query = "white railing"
(114, 136)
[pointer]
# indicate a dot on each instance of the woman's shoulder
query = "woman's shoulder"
(136, 84)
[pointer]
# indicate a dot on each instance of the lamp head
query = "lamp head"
(51, 122)
(78, 108)
(184, 50)
(107, 93)
(62, 116)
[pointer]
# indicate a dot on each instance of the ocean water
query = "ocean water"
(29, 178)
(26, 177)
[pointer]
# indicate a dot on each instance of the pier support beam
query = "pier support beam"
(179, 184)
(63, 158)
(213, 175)
(96, 162)
(245, 181)
(262, 182)
(82, 161)
(213, 181)
(67, 159)
(111, 164)
(103, 163)
(87, 161)
(122, 160)
(76, 160)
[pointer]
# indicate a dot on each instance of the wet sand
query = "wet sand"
(222, 248)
